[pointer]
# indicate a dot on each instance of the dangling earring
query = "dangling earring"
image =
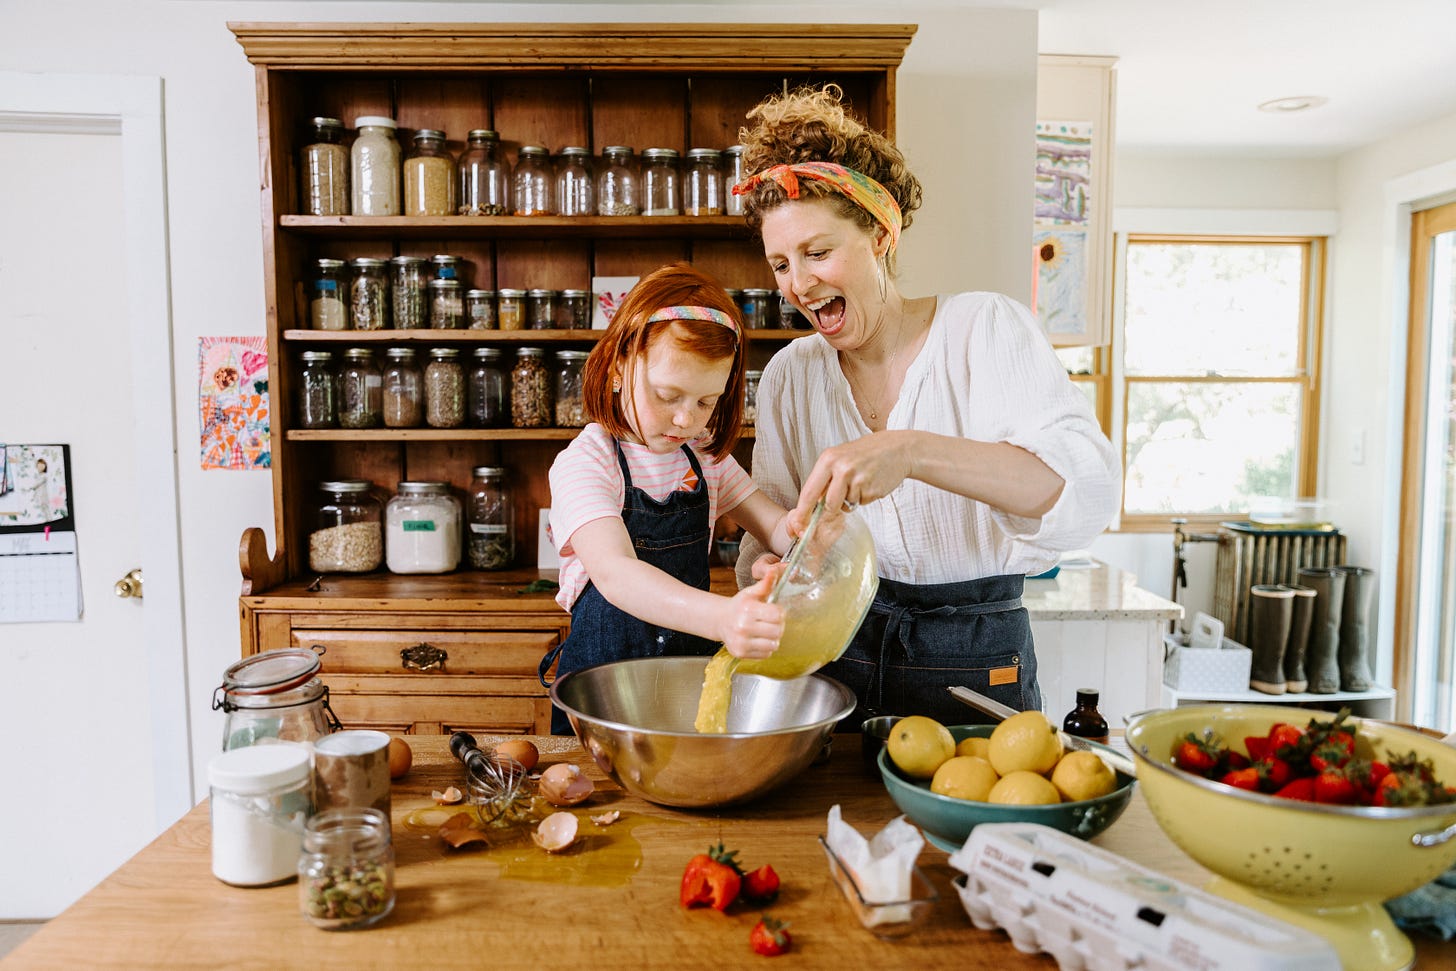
(881, 272)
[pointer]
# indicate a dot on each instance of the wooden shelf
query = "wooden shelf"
(487, 336)
(520, 227)
(322, 435)
(1378, 702)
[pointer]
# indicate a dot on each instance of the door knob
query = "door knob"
(130, 585)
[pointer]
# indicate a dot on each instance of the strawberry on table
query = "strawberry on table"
(762, 885)
(711, 879)
(770, 937)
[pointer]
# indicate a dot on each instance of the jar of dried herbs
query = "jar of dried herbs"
(573, 310)
(348, 534)
(510, 308)
(703, 185)
(617, 183)
(369, 295)
(407, 289)
(480, 310)
(530, 390)
(575, 193)
(485, 389)
(444, 389)
(447, 306)
(374, 167)
(361, 392)
(325, 169)
(485, 177)
(403, 389)
(346, 868)
(318, 391)
(490, 539)
(570, 406)
(533, 184)
(541, 309)
(429, 176)
(327, 309)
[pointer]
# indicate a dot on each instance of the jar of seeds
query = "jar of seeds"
(485, 390)
(447, 308)
(660, 183)
(429, 176)
(570, 406)
(490, 539)
(369, 295)
(348, 533)
(732, 175)
(533, 184)
(327, 309)
(530, 390)
(573, 310)
(318, 391)
(575, 193)
(444, 389)
(485, 177)
(361, 401)
(480, 310)
(510, 308)
(617, 183)
(541, 309)
(325, 169)
(403, 389)
(374, 167)
(407, 289)
(703, 185)
(346, 868)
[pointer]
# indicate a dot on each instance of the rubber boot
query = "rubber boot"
(1294, 651)
(1355, 628)
(1271, 612)
(1321, 660)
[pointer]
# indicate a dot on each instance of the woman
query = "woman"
(947, 420)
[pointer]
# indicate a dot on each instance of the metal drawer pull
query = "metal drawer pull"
(423, 657)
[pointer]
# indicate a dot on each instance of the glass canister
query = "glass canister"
(575, 193)
(754, 304)
(703, 183)
(510, 308)
(325, 169)
(429, 176)
(490, 543)
(750, 396)
(480, 310)
(485, 177)
(260, 800)
(409, 276)
(444, 389)
(374, 167)
(274, 696)
(422, 529)
(788, 315)
(485, 393)
(369, 295)
(661, 195)
(346, 868)
(617, 183)
(541, 309)
(569, 404)
(318, 391)
(732, 175)
(447, 307)
(361, 401)
(533, 184)
(327, 310)
(348, 534)
(447, 267)
(530, 390)
(573, 310)
(403, 389)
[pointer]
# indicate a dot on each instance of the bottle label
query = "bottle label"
(327, 286)
(418, 525)
(488, 529)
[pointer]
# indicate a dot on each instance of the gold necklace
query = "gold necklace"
(873, 403)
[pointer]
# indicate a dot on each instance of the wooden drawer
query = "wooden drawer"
(409, 652)
(440, 705)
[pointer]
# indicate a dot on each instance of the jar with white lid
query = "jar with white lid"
(260, 801)
(491, 540)
(346, 869)
(274, 696)
(660, 183)
(348, 535)
(703, 183)
(422, 529)
(617, 183)
(575, 193)
(374, 169)
(533, 184)
(429, 176)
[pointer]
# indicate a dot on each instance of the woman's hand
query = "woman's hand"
(753, 626)
(854, 473)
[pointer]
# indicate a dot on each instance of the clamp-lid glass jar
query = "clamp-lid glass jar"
(570, 406)
(369, 295)
(346, 868)
(274, 696)
(530, 390)
(486, 390)
(361, 401)
(617, 183)
(444, 389)
(318, 391)
(403, 389)
(491, 541)
(327, 310)
(407, 290)
(429, 176)
(260, 801)
(374, 167)
(447, 306)
(510, 308)
(485, 177)
(348, 534)
(660, 182)
(325, 169)
(533, 184)
(422, 529)
(703, 185)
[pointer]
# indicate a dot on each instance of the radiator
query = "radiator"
(1249, 556)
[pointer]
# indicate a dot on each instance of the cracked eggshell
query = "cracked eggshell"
(564, 784)
(556, 832)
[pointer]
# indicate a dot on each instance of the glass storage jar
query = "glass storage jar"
(530, 390)
(486, 390)
(703, 183)
(575, 193)
(407, 290)
(754, 304)
(327, 310)
(444, 389)
(750, 396)
(348, 533)
(448, 267)
(485, 178)
(480, 309)
(318, 391)
(274, 696)
(360, 390)
(510, 308)
(374, 167)
(788, 315)
(346, 868)
(403, 389)
(569, 404)
(429, 176)
(617, 183)
(732, 175)
(447, 307)
(369, 295)
(259, 803)
(541, 309)
(422, 529)
(325, 169)
(533, 184)
(573, 310)
(661, 196)
(490, 543)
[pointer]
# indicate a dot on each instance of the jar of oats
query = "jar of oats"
(444, 389)
(325, 169)
(369, 295)
(530, 390)
(348, 533)
(429, 176)
(404, 391)
(374, 167)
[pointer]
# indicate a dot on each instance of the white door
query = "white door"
(94, 710)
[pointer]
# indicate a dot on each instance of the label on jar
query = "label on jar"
(489, 529)
(418, 525)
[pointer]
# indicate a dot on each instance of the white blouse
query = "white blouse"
(986, 372)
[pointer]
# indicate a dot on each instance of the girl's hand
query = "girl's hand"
(854, 473)
(753, 626)
(764, 565)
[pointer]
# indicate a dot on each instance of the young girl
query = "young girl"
(635, 495)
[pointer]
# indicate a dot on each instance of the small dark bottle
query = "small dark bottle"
(1085, 720)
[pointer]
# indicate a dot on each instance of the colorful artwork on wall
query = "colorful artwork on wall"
(232, 402)
(1062, 217)
(1059, 288)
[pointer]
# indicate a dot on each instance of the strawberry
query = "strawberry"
(1332, 785)
(1284, 735)
(1301, 789)
(762, 885)
(1257, 746)
(1197, 755)
(1329, 755)
(1246, 778)
(1274, 772)
(770, 937)
(711, 879)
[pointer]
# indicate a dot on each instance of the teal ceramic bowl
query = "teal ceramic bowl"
(947, 822)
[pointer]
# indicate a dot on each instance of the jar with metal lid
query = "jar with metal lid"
(318, 391)
(348, 533)
(369, 295)
(422, 529)
(429, 176)
(327, 310)
(533, 184)
(447, 267)
(541, 309)
(570, 406)
(480, 310)
(617, 183)
(374, 167)
(530, 390)
(510, 308)
(325, 169)
(575, 193)
(403, 389)
(660, 191)
(485, 177)
(703, 183)
(274, 696)
(407, 290)
(360, 391)
(788, 315)
(750, 396)
(260, 800)
(573, 310)
(732, 175)
(490, 543)
(754, 304)
(447, 307)
(444, 389)
(485, 393)
(346, 868)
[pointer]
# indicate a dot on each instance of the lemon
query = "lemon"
(965, 777)
(974, 745)
(1022, 788)
(1025, 742)
(1082, 775)
(918, 745)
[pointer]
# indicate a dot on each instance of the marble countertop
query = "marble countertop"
(1092, 590)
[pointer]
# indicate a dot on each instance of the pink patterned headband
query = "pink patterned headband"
(695, 313)
(859, 188)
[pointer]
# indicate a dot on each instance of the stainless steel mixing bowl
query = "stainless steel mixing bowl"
(635, 717)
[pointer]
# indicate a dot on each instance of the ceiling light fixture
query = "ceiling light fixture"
(1284, 106)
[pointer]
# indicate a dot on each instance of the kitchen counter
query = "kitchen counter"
(1095, 591)
(611, 904)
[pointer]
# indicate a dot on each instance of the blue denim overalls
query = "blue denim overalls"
(671, 535)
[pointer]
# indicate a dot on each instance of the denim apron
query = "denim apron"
(919, 639)
(671, 535)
